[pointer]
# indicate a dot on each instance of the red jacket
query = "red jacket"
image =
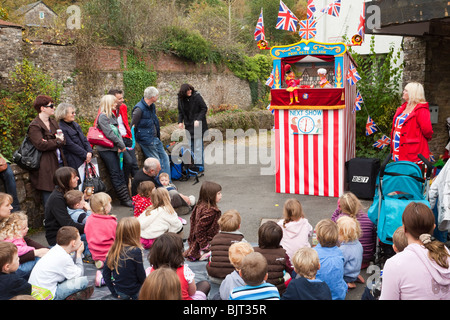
(415, 133)
(124, 113)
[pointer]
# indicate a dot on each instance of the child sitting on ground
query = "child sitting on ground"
(77, 207)
(159, 218)
(11, 284)
(143, 200)
(162, 284)
(219, 265)
(236, 253)
(100, 228)
(331, 258)
(269, 238)
(296, 228)
(61, 273)
(164, 179)
(254, 273)
(349, 233)
(124, 271)
(305, 286)
(167, 251)
(349, 205)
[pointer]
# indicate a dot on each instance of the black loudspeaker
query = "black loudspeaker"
(362, 175)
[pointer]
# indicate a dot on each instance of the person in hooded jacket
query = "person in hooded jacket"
(411, 127)
(421, 271)
(296, 228)
(192, 111)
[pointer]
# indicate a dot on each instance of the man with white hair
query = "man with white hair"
(147, 130)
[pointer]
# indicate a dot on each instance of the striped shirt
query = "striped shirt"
(264, 291)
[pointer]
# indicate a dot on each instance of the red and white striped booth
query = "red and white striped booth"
(315, 136)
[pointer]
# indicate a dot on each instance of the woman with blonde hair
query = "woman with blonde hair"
(159, 218)
(411, 128)
(107, 122)
(421, 271)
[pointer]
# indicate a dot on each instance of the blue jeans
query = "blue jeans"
(71, 286)
(112, 163)
(155, 149)
(10, 186)
(197, 152)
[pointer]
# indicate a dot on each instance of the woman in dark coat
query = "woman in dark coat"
(42, 134)
(77, 149)
(192, 111)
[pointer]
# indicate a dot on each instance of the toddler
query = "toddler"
(142, 200)
(331, 258)
(100, 228)
(305, 286)
(77, 207)
(254, 273)
(296, 228)
(349, 233)
(164, 179)
(236, 253)
(269, 238)
(219, 265)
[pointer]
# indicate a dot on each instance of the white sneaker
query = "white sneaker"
(192, 200)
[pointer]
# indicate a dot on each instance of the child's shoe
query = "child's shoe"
(191, 200)
(99, 264)
(99, 281)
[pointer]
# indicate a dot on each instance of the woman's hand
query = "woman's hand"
(180, 125)
(88, 157)
(196, 123)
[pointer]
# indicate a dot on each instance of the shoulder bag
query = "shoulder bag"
(92, 179)
(27, 156)
(96, 137)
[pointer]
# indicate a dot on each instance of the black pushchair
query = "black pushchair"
(398, 184)
(182, 163)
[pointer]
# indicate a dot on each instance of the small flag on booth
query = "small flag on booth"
(371, 127)
(270, 80)
(358, 102)
(333, 9)
(307, 29)
(383, 142)
(311, 8)
(362, 21)
(352, 75)
(286, 19)
(259, 31)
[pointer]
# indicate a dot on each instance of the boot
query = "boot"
(124, 196)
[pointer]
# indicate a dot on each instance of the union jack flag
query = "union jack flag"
(371, 127)
(358, 102)
(311, 8)
(383, 142)
(362, 20)
(333, 9)
(307, 29)
(352, 75)
(259, 31)
(286, 19)
(270, 80)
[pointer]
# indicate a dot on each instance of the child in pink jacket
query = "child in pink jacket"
(296, 228)
(100, 228)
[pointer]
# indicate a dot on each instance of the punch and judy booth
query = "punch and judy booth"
(315, 133)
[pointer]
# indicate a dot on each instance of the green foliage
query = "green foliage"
(17, 107)
(379, 86)
(136, 78)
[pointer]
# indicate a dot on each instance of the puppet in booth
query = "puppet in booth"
(292, 83)
(323, 83)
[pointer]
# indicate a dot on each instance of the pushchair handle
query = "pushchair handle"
(385, 162)
(427, 163)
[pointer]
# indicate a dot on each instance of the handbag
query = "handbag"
(92, 179)
(96, 137)
(27, 156)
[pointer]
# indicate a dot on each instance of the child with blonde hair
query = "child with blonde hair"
(219, 265)
(164, 179)
(124, 271)
(331, 258)
(399, 240)
(159, 218)
(161, 284)
(349, 205)
(349, 233)
(305, 286)
(296, 228)
(100, 228)
(142, 200)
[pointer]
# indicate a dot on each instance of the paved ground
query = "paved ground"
(249, 192)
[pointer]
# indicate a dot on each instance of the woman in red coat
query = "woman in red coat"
(411, 128)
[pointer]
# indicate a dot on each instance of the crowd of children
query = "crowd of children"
(285, 264)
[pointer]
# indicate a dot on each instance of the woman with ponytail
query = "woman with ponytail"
(421, 271)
